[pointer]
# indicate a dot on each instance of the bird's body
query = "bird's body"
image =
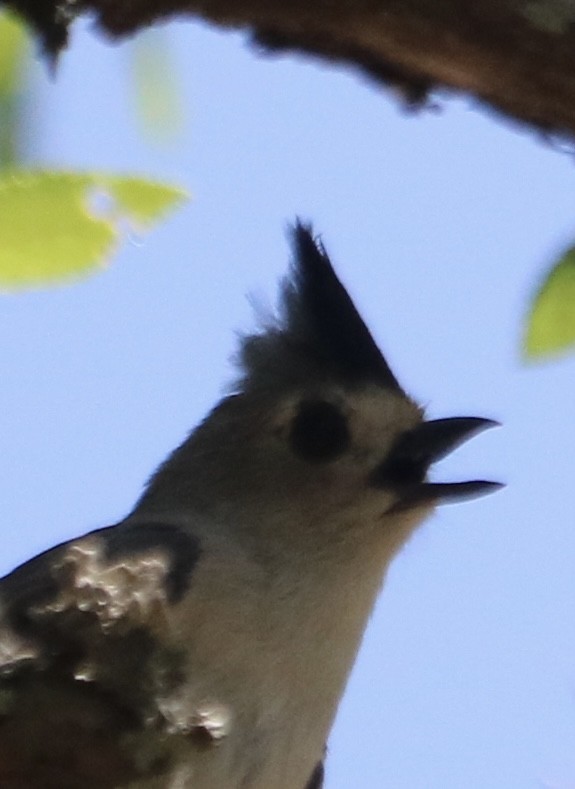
(226, 611)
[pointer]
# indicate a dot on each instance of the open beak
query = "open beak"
(405, 468)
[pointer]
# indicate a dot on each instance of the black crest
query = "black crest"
(319, 332)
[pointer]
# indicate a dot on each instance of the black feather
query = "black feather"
(30, 584)
(320, 305)
(319, 335)
(183, 548)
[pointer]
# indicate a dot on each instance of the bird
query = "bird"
(205, 641)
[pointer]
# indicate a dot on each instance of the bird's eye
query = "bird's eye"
(319, 431)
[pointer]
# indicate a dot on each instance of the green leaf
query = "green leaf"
(551, 323)
(14, 59)
(13, 52)
(143, 201)
(53, 229)
(156, 89)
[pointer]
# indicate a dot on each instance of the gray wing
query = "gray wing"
(117, 581)
(87, 659)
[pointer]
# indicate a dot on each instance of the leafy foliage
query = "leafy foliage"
(57, 225)
(551, 322)
(157, 94)
(14, 53)
(61, 225)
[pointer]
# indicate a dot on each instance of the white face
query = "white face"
(348, 432)
(307, 460)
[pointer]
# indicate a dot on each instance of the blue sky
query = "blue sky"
(441, 225)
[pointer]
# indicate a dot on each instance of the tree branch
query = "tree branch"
(518, 56)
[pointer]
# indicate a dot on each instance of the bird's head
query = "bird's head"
(318, 436)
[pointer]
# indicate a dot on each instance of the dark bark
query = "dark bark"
(518, 56)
